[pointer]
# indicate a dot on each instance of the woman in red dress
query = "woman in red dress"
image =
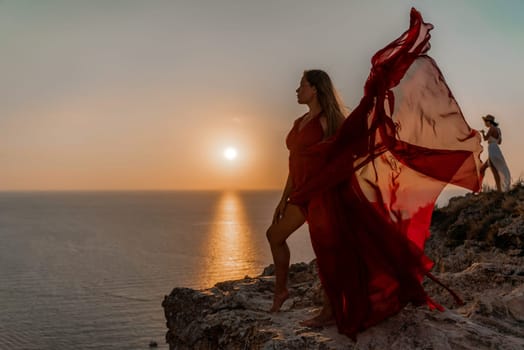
(325, 115)
(371, 188)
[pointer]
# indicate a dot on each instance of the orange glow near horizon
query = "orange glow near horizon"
(67, 154)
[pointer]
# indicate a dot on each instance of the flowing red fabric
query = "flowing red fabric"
(371, 188)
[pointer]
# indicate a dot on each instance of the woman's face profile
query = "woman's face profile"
(305, 92)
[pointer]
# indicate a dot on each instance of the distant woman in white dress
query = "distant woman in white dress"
(495, 158)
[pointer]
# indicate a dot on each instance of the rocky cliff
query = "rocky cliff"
(477, 246)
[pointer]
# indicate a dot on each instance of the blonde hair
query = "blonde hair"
(328, 98)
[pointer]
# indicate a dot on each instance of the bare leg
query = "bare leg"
(277, 235)
(483, 168)
(497, 177)
(324, 318)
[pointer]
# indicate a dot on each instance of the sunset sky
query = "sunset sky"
(136, 95)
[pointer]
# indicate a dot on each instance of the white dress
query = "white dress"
(497, 162)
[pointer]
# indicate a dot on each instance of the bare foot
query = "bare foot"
(325, 318)
(278, 300)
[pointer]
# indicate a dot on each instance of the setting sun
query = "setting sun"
(230, 153)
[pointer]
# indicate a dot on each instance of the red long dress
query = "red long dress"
(303, 164)
(371, 188)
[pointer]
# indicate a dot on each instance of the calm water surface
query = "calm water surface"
(89, 270)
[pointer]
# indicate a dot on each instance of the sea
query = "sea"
(89, 270)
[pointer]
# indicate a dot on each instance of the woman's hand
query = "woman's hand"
(279, 211)
(483, 134)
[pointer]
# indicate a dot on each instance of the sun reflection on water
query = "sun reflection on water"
(229, 249)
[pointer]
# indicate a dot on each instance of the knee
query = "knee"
(269, 234)
(273, 236)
